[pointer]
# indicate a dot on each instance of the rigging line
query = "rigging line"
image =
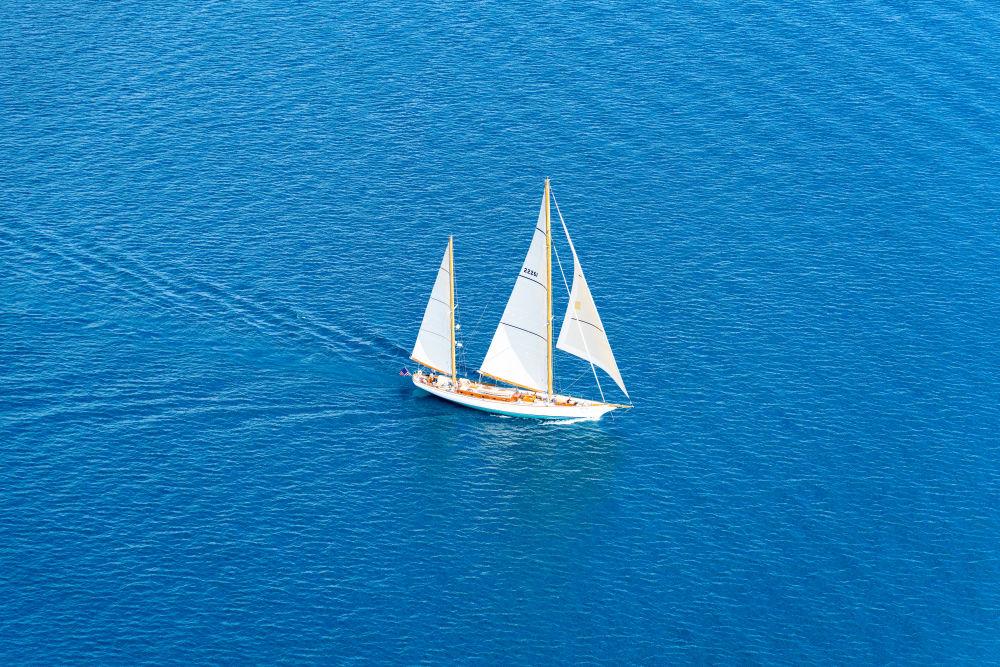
(576, 262)
(568, 293)
(576, 319)
(456, 324)
(460, 356)
(482, 314)
(579, 377)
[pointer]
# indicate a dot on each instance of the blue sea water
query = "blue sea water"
(219, 225)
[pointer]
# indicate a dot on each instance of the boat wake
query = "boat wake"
(567, 422)
(130, 281)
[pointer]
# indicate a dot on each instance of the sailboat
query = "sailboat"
(520, 354)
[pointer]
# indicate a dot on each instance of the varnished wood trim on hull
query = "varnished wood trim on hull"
(513, 408)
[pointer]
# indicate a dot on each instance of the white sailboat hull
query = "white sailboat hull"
(537, 409)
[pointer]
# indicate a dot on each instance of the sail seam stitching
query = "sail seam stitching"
(524, 330)
(521, 275)
(588, 323)
(435, 333)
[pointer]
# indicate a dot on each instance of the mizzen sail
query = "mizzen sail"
(435, 346)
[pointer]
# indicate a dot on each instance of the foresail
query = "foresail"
(434, 342)
(519, 351)
(582, 333)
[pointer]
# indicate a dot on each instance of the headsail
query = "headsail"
(520, 350)
(582, 333)
(436, 339)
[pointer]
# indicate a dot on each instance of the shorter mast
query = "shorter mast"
(451, 274)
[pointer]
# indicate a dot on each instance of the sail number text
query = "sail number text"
(530, 272)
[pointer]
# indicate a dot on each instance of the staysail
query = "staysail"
(435, 346)
(582, 333)
(520, 350)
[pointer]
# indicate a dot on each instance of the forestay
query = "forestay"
(519, 351)
(434, 341)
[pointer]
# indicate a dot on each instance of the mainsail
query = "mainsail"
(435, 346)
(582, 333)
(519, 353)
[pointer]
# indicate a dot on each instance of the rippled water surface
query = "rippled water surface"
(219, 225)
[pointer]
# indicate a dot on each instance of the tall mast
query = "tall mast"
(548, 282)
(451, 275)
